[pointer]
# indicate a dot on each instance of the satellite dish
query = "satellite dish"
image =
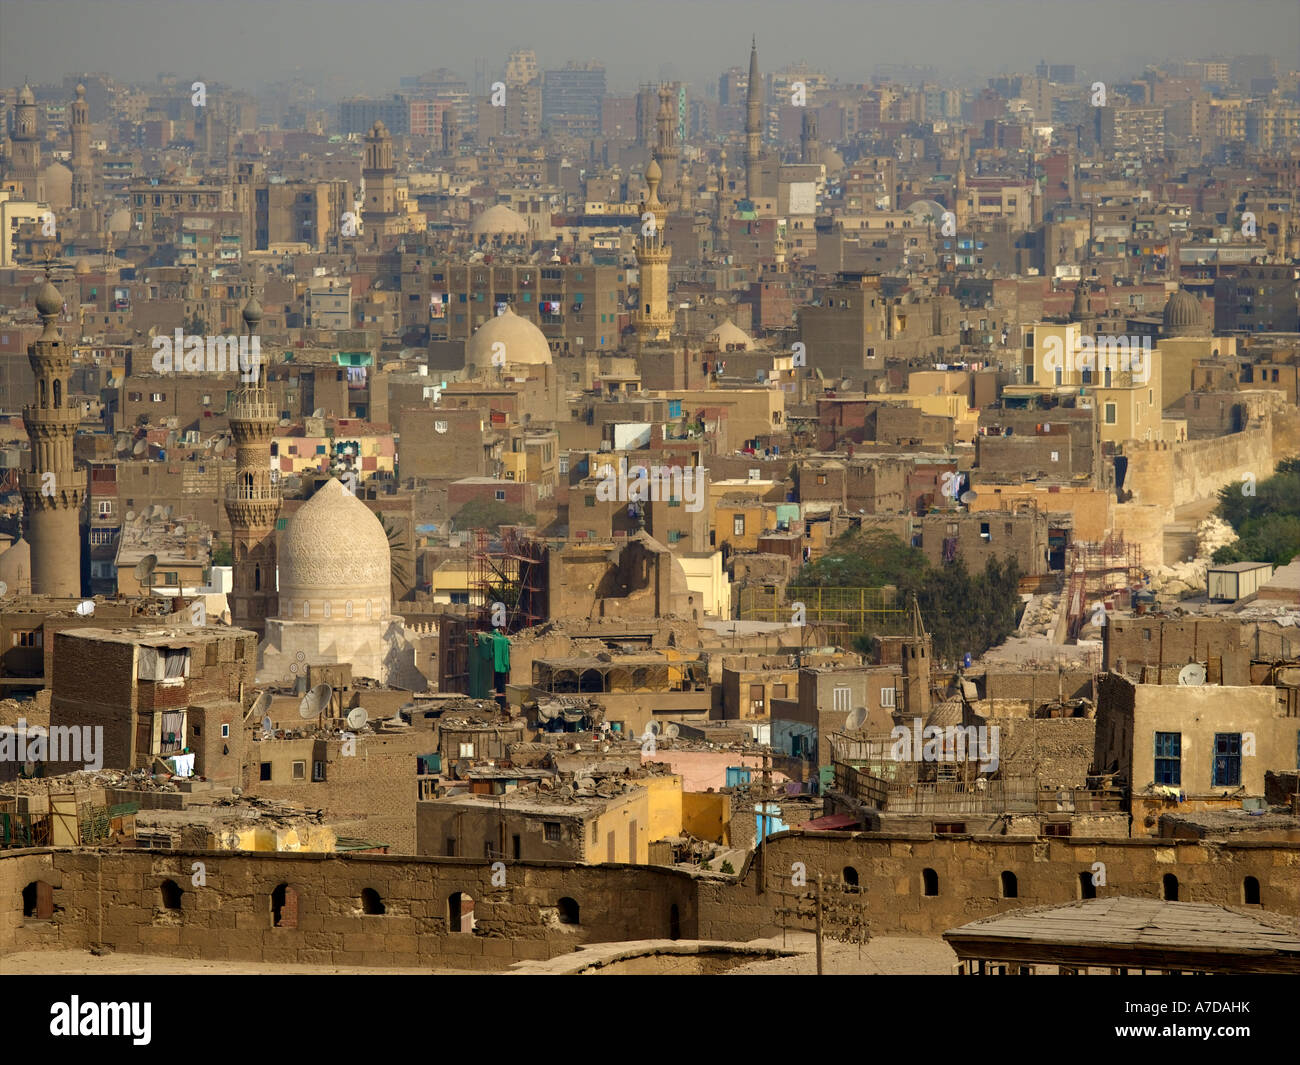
(219, 446)
(654, 728)
(856, 719)
(672, 731)
(130, 515)
(4, 588)
(144, 570)
(86, 608)
(968, 497)
(319, 412)
(141, 446)
(1192, 675)
(357, 717)
(316, 701)
(260, 705)
(180, 530)
(266, 724)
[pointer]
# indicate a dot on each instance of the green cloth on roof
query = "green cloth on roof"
(500, 652)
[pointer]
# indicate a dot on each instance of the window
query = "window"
(317, 772)
(225, 732)
(105, 507)
(551, 831)
(738, 525)
(887, 697)
(1250, 891)
(929, 883)
(850, 876)
(171, 895)
(466, 750)
(985, 534)
(1110, 413)
(568, 910)
(265, 773)
(372, 904)
(501, 495)
(840, 699)
(38, 901)
(30, 638)
(1010, 886)
(1087, 886)
(949, 828)
(284, 907)
(299, 770)
(1055, 828)
(1169, 765)
(1227, 760)
(1169, 887)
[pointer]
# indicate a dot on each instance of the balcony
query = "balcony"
(253, 493)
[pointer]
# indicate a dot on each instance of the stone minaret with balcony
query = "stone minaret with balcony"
(253, 501)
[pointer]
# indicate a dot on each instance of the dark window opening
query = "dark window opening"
(1010, 885)
(1250, 891)
(372, 904)
(460, 912)
(929, 883)
(568, 910)
(1087, 887)
(171, 895)
(38, 901)
(284, 907)
(850, 876)
(1169, 887)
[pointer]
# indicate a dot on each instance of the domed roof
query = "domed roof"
(525, 344)
(334, 546)
(82, 267)
(58, 185)
(49, 300)
(1182, 315)
(119, 221)
(730, 333)
(654, 171)
(26, 96)
(16, 568)
(499, 220)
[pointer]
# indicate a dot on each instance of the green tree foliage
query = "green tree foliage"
(222, 555)
(1267, 522)
(963, 612)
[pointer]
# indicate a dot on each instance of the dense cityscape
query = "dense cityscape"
(534, 517)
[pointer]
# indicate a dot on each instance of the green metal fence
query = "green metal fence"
(859, 610)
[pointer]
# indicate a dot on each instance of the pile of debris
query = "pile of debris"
(1184, 578)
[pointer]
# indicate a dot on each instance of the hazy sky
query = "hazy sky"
(364, 45)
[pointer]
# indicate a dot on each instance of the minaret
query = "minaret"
(666, 152)
(721, 205)
(753, 125)
(379, 176)
(83, 174)
(653, 318)
(53, 489)
(810, 148)
(25, 147)
(253, 501)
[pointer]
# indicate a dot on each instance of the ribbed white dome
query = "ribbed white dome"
(334, 549)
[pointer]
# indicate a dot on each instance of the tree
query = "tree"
(1266, 520)
(399, 573)
(223, 555)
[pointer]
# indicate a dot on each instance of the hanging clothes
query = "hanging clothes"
(500, 653)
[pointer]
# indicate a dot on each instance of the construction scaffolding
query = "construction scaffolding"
(860, 610)
(510, 569)
(1107, 572)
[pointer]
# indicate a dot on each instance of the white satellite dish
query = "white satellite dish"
(130, 515)
(1192, 675)
(968, 497)
(672, 731)
(654, 728)
(141, 446)
(856, 719)
(260, 705)
(319, 412)
(86, 608)
(357, 717)
(219, 446)
(266, 724)
(4, 588)
(316, 701)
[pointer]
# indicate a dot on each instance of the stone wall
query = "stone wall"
(1169, 475)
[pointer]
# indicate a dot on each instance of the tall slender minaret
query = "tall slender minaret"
(25, 147)
(667, 154)
(379, 175)
(53, 489)
(810, 148)
(83, 174)
(653, 318)
(253, 501)
(753, 125)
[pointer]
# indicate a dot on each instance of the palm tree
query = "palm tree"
(399, 573)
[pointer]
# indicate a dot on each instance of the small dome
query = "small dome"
(524, 344)
(26, 96)
(335, 548)
(16, 568)
(729, 333)
(948, 712)
(499, 220)
(1182, 315)
(654, 172)
(81, 92)
(49, 300)
(252, 312)
(83, 266)
(378, 129)
(119, 221)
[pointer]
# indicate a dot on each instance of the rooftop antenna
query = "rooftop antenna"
(357, 717)
(856, 719)
(144, 571)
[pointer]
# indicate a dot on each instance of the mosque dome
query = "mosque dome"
(119, 221)
(16, 568)
(1182, 315)
(58, 186)
(499, 221)
(730, 336)
(525, 344)
(653, 171)
(334, 553)
(82, 266)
